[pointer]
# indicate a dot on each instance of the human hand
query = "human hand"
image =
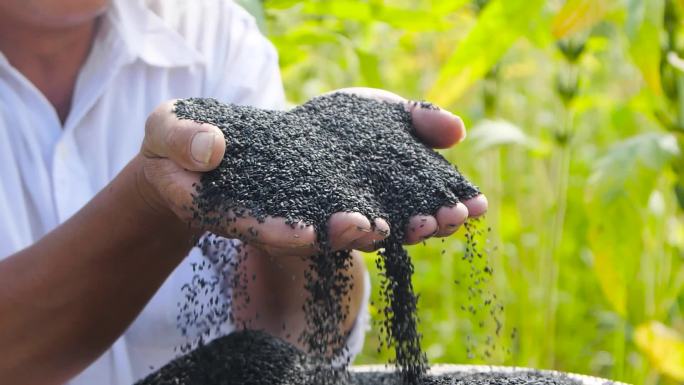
(175, 153)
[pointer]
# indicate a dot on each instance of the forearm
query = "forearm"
(277, 294)
(66, 298)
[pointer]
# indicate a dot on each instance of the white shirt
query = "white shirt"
(143, 54)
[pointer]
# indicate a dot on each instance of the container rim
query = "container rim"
(450, 368)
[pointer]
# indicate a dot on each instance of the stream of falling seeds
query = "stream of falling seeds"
(207, 303)
(482, 307)
(204, 308)
(329, 287)
(400, 317)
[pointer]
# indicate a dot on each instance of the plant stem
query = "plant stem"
(562, 176)
(680, 100)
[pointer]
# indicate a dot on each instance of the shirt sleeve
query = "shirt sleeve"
(244, 69)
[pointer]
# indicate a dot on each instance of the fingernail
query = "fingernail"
(465, 132)
(202, 146)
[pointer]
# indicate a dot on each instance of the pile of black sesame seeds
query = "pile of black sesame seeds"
(256, 358)
(247, 357)
(335, 153)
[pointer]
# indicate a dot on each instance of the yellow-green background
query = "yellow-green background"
(575, 119)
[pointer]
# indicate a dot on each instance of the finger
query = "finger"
(436, 127)
(279, 252)
(194, 146)
(296, 239)
(270, 232)
(419, 228)
(178, 185)
(476, 206)
(449, 219)
(345, 228)
(370, 241)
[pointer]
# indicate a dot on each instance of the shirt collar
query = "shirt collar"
(145, 36)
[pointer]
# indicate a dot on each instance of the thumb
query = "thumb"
(436, 127)
(194, 146)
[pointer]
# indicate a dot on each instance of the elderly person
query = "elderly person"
(94, 241)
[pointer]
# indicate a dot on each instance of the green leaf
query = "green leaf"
(619, 187)
(645, 53)
(579, 15)
(370, 68)
(307, 33)
(612, 281)
(500, 24)
(412, 19)
(408, 19)
(280, 4)
(443, 7)
(663, 346)
(340, 9)
(493, 133)
(645, 154)
(644, 29)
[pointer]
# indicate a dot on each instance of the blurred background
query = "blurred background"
(575, 112)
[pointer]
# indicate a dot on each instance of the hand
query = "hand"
(175, 153)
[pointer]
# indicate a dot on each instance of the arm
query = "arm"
(66, 298)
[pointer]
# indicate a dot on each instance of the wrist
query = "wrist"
(148, 198)
(150, 208)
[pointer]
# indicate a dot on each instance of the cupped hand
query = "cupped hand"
(176, 152)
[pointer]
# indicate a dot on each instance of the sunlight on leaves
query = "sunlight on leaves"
(412, 19)
(580, 15)
(664, 348)
(280, 4)
(408, 19)
(644, 33)
(341, 9)
(500, 24)
(442, 7)
(646, 55)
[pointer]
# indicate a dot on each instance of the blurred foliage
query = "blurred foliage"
(665, 346)
(577, 121)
